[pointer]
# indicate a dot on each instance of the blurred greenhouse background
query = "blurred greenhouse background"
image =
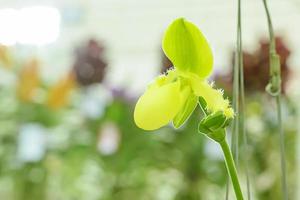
(70, 74)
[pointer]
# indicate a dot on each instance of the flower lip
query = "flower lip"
(157, 106)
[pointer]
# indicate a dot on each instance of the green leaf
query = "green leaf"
(215, 121)
(203, 129)
(187, 48)
(217, 135)
(213, 126)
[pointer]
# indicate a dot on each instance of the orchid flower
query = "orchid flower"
(174, 95)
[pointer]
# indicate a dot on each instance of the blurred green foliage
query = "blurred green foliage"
(108, 158)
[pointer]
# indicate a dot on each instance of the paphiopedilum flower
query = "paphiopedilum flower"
(174, 95)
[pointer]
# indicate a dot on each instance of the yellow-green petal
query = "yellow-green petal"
(157, 106)
(189, 103)
(213, 97)
(187, 48)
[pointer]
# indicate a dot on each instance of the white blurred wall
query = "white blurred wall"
(132, 30)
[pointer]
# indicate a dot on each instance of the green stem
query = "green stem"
(241, 119)
(271, 30)
(235, 93)
(282, 149)
(272, 52)
(231, 170)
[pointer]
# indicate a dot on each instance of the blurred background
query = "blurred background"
(70, 74)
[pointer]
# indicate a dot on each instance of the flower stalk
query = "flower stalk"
(213, 126)
(231, 169)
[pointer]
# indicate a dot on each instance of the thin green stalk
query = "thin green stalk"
(235, 125)
(235, 95)
(244, 133)
(231, 169)
(282, 149)
(275, 73)
(242, 112)
(271, 30)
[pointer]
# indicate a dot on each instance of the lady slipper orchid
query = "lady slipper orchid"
(174, 95)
